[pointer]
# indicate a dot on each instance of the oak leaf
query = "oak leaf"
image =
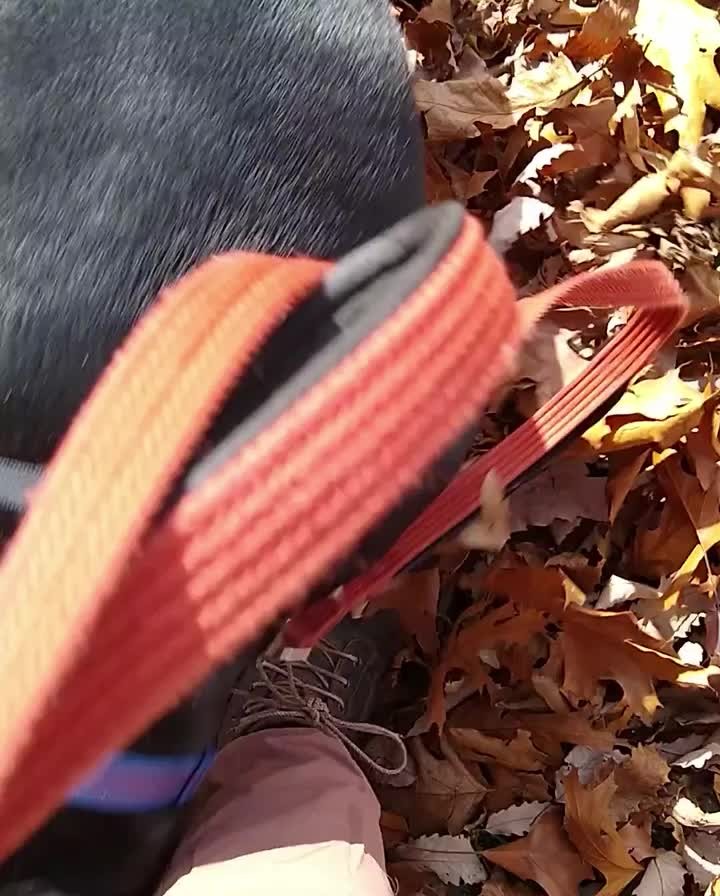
(545, 856)
(414, 597)
(651, 412)
(594, 833)
(517, 753)
(445, 796)
(664, 875)
(605, 646)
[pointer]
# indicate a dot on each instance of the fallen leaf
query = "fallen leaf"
(414, 597)
(515, 820)
(637, 837)
(682, 36)
(548, 361)
(520, 215)
(454, 108)
(445, 797)
(701, 284)
(701, 756)
(505, 888)
(621, 591)
(545, 856)
(637, 203)
(489, 529)
(473, 632)
(664, 875)
(594, 832)
(650, 412)
(438, 11)
(518, 753)
(394, 829)
(452, 859)
(606, 646)
(408, 880)
(624, 469)
(541, 87)
(639, 780)
(701, 852)
(603, 29)
(690, 815)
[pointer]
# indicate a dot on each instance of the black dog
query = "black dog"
(137, 138)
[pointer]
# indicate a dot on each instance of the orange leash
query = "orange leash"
(108, 622)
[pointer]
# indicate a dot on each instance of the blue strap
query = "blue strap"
(135, 782)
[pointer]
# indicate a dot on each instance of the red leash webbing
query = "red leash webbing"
(648, 287)
(120, 641)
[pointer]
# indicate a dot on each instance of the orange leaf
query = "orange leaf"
(594, 832)
(545, 856)
(604, 646)
(414, 597)
(475, 631)
(518, 753)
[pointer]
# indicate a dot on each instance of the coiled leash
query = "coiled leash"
(138, 568)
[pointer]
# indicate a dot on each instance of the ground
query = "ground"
(559, 692)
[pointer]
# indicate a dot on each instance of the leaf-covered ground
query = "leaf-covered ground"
(560, 692)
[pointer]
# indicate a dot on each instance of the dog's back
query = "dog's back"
(136, 138)
(139, 137)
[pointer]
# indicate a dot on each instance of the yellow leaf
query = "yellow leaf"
(651, 412)
(682, 36)
(545, 856)
(593, 830)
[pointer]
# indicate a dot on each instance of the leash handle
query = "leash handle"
(108, 622)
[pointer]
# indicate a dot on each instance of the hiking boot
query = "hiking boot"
(335, 687)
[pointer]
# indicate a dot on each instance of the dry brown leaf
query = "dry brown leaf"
(701, 852)
(625, 467)
(550, 590)
(548, 361)
(594, 832)
(603, 29)
(639, 781)
(453, 109)
(644, 773)
(637, 837)
(563, 491)
(394, 829)
(515, 820)
(438, 11)
(519, 753)
(452, 859)
(664, 875)
(701, 284)
(412, 881)
(476, 631)
(414, 597)
(445, 797)
(651, 412)
(545, 856)
(605, 646)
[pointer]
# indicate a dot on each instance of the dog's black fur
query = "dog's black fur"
(136, 138)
